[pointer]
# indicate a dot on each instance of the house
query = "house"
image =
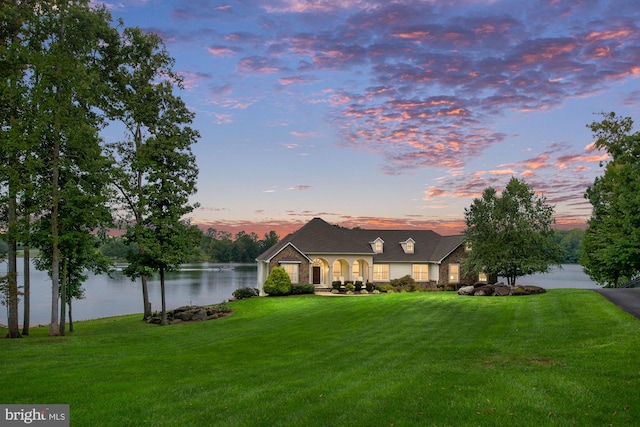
(320, 253)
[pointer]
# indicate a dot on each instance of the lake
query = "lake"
(195, 284)
(568, 276)
(199, 284)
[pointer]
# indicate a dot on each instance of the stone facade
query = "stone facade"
(289, 253)
(456, 257)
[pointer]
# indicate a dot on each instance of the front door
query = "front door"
(316, 275)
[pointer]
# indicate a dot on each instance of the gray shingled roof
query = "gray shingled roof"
(318, 237)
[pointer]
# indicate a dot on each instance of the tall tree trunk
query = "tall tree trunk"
(145, 290)
(54, 328)
(70, 316)
(63, 295)
(14, 328)
(145, 298)
(26, 298)
(164, 304)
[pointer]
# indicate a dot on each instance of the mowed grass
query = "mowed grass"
(567, 357)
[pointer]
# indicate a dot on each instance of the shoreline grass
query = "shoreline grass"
(566, 357)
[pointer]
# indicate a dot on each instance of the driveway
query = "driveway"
(626, 299)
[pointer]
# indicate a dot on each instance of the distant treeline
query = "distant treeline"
(215, 246)
(571, 242)
(222, 246)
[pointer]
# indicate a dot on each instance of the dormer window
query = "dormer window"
(408, 245)
(378, 245)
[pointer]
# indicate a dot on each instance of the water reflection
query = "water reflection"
(194, 284)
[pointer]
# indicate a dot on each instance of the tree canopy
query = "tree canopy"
(67, 72)
(611, 245)
(510, 235)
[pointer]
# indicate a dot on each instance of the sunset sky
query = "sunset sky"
(393, 114)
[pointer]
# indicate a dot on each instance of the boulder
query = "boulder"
(499, 289)
(200, 315)
(466, 290)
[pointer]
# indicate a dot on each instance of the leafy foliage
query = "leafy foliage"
(243, 293)
(611, 246)
(278, 282)
(510, 235)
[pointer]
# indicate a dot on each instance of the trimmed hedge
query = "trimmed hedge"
(302, 288)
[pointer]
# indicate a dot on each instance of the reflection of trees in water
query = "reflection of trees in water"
(109, 296)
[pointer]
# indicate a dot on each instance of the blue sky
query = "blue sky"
(393, 114)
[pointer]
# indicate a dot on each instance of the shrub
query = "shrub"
(336, 284)
(335, 291)
(349, 287)
(358, 285)
(302, 288)
(369, 286)
(242, 293)
(278, 282)
(364, 291)
(404, 283)
(387, 287)
(375, 291)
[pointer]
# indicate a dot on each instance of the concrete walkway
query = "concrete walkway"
(626, 299)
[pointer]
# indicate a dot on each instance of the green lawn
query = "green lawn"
(567, 357)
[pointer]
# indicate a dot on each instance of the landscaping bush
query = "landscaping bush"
(243, 293)
(358, 285)
(336, 284)
(403, 284)
(278, 282)
(349, 287)
(369, 286)
(302, 288)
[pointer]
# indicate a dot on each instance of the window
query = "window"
(454, 273)
(408, 246)
(355, 270)
(292, 271)
(378, 246)
(380, 272)
(420, 272)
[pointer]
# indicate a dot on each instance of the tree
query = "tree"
(269, 240)
(142, 99)
(166, 168)
(611, 245)
(13, 71)
(510, 235)
(69, 42)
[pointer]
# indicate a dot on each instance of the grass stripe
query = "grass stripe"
(567, 357)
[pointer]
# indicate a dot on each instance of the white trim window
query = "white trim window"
(380, 272)
(420, 272)
(292, 270)
(454, 273)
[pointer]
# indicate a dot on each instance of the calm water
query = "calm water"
(194, 284)
(199, 284)
(569, 276)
